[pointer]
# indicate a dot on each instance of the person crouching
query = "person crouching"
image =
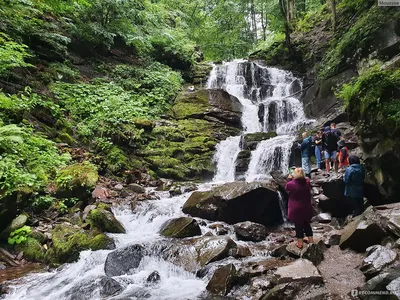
(299, 207)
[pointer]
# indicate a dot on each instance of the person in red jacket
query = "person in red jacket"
(299, 207)
(343, 160)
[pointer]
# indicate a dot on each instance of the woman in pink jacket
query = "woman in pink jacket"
(299, 207)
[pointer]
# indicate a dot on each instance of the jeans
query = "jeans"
(318, 156)
(330, 155)
(306, 165)
(303, 229)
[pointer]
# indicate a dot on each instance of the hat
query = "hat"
(341, 143)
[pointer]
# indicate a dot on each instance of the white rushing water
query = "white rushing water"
(268, 104)
(80, 280)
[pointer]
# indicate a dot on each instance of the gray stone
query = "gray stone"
(249, 231)
(222, 280)
(181, 227)
(312, 252)
(123, 260)
(118, 187)
(377, 258)
(136, 188)
(237, 202)
(394, 225)
(194, 253)
(300, 270)
(324, 218)
(154, 277)
(18, 222)
(109, 286)
(394, 287)
(87, 210)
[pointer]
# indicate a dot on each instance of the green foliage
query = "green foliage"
(43, 202)
(19, 235)
(26, 159)
(12, 54)
(77, 175)
(374, 99)
(356, 42)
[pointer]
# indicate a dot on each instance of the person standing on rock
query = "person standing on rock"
(318, 148)
(330, 139)
(343, 160)
(354, 180)
(306, 149)
(299, 206)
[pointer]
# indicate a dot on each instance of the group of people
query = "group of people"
(328, 143)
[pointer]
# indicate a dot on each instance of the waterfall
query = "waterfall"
(266, 95)
(225, 157)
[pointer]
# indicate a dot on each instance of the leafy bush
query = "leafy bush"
(12, 54)
(374, 99)
(19, 235)
(27, 159)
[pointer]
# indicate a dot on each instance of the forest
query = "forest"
(97, 93)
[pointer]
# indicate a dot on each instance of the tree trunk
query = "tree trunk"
(253, 20)
(264, 23)
(291, 10)
(333, 8)
(282, 7)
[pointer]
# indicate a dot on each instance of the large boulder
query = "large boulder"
(364, 231)
(76, 181)
(194, 253)
(394, 225)
(377, 258)
(382, 281)
(222, 280)
(312, 252)
(335, 202)
(249, 231)
(122, 261)
(181, 228)
(236, 202)
(102, 218)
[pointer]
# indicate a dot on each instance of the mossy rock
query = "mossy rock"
(65, 138)
(145, 124)
(18, 222)
(105, 220)
(258, 136)
(191, 104)
(69, 241)
(33, 250)
(77, 180)
(181, 228)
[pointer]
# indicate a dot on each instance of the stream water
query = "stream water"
(265, 94)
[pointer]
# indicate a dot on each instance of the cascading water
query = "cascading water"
(81, 280)
(266, 95)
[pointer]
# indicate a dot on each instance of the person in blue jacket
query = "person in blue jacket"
(354, 180)
(306, 151)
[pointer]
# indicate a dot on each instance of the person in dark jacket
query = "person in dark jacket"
(318, 148)
(299, 206)
(306, 151)
(330, 139)
(354, 180)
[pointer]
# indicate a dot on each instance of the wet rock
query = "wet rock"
(219, 228)
(136, 188)
(154, 277)
(382, 280)
(222, 280)
(279, 251)
(300, 270)
(175, 192)
(18, 222)
(105, 220)
(264, 266)
(123, 260)
(324, 218)
(251, 140)
(362, 232)
(282, 291)
(334, 239)
(181, 228)
(195, 253)
(315, 252)
(236, 202)
(377, 258)
(249, 231)
(109, 286)
(393, 287)
(394, 225)
(259, 286)
(240, 251)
